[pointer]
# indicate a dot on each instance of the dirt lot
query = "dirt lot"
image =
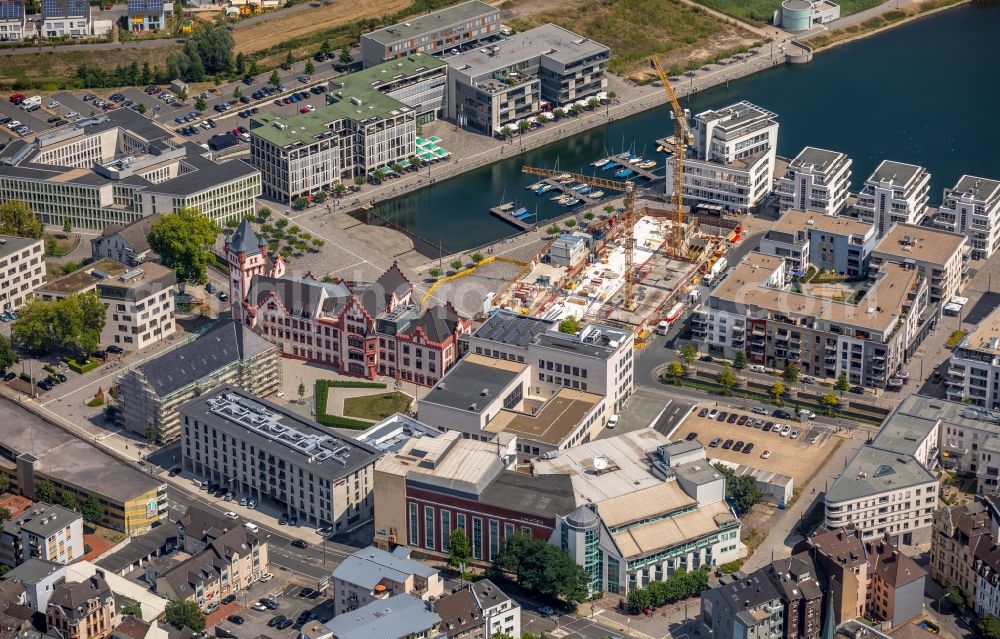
(795, 457)
(634, 29)
(54, 69)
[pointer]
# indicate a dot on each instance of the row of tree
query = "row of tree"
(73, 323)
(208, 52)
(681, 586)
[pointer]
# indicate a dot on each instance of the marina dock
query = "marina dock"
(509, 214)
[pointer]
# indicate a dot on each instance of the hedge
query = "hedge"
(76, 367)
(320, 391)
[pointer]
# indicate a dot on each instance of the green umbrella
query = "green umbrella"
(435, 139)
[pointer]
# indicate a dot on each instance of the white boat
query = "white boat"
(556, 198)
(600, 162)
(571, 201)
(594, 195)
(535, 186)
(565, 177)
(636, 160)
(648, 165)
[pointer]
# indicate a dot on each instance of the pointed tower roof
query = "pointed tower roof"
(244, 240)
(829, 623)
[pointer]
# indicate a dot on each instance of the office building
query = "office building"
(731, 162)
(493, 87)
(596, 359)
(139, 301)
(960, 531)
(127, 244)
(832, 243)
(22, 270)
(372, 574)
(432, 34)
(896, 193)
(316, 477)
(358, 328)
(369, 123)
(83, 610)
(118, 167)
(65, 19)
(942, 257)
(44, 531)
(33, 449)
(972, 207)
(817, 181)
(756, 310)
(12, 20)
(222, 561)
(147, 15)
(230, 353)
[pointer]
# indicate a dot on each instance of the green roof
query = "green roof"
(348, 90)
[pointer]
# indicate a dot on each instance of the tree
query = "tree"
(552, 230)
(4, 483)
(7, 359)
(416, 161)
(360, 180)
(67, 225)
(830, 401)
(726, 379)
(73, 322)
(612, 95)
(576, 109)
(435, 272)
(589, 215)
(456, 265)
(842, 384)
(459, 549)
(214, 48)
(791, 374)
(476, 257)
(570, 223)
(593, 103)
(185, 613)
(17, 219)
(739, 361)
(310, 68)
(506, 132)
(237, 94)
(70, 502)
(200, 104)
(275, 79)
(340, 189)
(92, 511)
(325, 48)
(570, 325)
(45, 491)
(300, 203)
(689, 353)
(254, 69)
(559, 112)
(132, 608)
(523, 126)
(989, 627)
(141, 108)
(741, 492)
(345, 55)
(241, 63)
(954, 596)
(289, 59)
(676, 371)
(541, 567)
(302, 390)
(609, 209)
(777, 391)
(4, 516)
(184, 240)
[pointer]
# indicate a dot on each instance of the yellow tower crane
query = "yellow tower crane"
(629, 218)
(682, 136)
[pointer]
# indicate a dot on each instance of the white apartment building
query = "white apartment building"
(941, 256)
(22, 270)
(597, 359)
(372, 574)
(262, 450)
(65, 18)
(12, 22)
(972, 207)
(501, 613)
(816, 180)
(119, 167)
(974, 373)
(895, 192)
(139, 301)
(731, 162)
(43, 531)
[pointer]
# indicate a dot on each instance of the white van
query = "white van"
(251, 527)
(613, 421)
(661, 328)
(35, 100)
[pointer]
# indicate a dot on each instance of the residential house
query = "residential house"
(83, 610)
(127, 244)
(372, 574)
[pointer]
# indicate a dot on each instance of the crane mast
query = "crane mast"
(682, 137)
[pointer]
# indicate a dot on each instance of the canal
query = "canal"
(925, 93)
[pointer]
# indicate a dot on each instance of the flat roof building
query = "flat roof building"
(816, 180)
(434, 33)
(44, 531)
(118, 167)
(372, 574)
(975, 363)
(336, 472)
(828, 242)
(22, 269)
(894, 193)
(492, 87)
(398, 617)
(972, 207)
(941, 256)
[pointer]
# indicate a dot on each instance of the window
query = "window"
(477, 537)
(494, 539)
(445, 530)
(460, 523)
(428, 527)
(414, 541)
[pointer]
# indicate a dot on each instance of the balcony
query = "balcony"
(698, 331)
(830, 348)
(739, 329)
(737, 339)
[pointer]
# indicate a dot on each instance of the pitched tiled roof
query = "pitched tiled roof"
(302, 297)
(73, 596)
(378, 296)
(438, 322)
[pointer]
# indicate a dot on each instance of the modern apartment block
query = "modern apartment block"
(139, 301)
(43, 531)
(147, 15)
(372, 574)
(364, 329)
(432, 34)
(972, 207)
(231, 353)
(369, 122)
(264, 451)
(492, 87)
(119, 167)
(974, 371)
(12, 20)
(894, 193)
(731, 162)
(833, 243)
(65, 18)
(817, 180)
(22, 270)
(756, 311)
(941, 256)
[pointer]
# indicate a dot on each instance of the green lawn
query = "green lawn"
(377, 407)
(760, 12)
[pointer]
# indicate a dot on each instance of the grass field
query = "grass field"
(376, 407)
(760, 12)
(635, 29)
(53, 69)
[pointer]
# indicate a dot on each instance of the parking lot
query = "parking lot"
(799, 457)
(291, 605)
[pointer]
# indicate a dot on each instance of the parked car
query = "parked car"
(732, 419)
(794, 434)
(722, 416)
(759, 410)
(782, 414)
(690, 436)
(713, 413)
(785, 429)
(298, 543)
(728, 444)
(228, 599)
(738, 446)
(703, 412)
(741, 420)
(766, 454)
(9, 376)
(857, 390)
(748, 448)
(114, 348)
(757, 368)
(232, 515)
(212, 607)
(715, 442)
(767, 426)
(236, 619)
(613, 421)
(805, 413)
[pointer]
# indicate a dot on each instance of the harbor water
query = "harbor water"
(924, 93)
